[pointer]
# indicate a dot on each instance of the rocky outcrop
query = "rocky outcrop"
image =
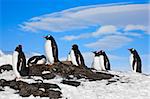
(6, 67)
(67, 71)
(36, 89)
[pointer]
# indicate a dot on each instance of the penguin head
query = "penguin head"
(18, 48)
(132, 50)
(74, 46)
(101, 52)
(96, 53)
(49, 37)
(43, 56)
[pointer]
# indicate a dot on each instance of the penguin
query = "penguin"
(135, 61)
(19, 62)
(76, 56)
(36, 60)
(96, 61)
(104, 60)
(51, 49)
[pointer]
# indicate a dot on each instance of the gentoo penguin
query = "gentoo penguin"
(19, 62)
(104, 60)
(96, 61)
(51, 49)
(76, 56)
(135, 61)
(36, 60)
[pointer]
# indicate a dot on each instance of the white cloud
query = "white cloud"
(87, 16)
(107, 29)
(110, 42)
(103, 30)
(135, 27)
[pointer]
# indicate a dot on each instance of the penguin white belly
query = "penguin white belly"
(42, 61)
(101, 59)
(131, 61)
(73, 58)
(68, 57)
(96, 63)
(49, 52)
(135, 67)
(14, 62)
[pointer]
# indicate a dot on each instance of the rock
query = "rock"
(54, 94)
(64, 70)
(48, 76)
(1, 89)
(45, 85)
(72, 83)
(2, 82)
(36, 70)
(7, 67)
(25, 89)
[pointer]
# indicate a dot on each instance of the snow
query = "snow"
(128, 85)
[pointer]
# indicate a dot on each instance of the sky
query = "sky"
(109, 25)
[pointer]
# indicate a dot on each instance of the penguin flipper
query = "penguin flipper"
(139, 68)
(55, 52)
(133, 64)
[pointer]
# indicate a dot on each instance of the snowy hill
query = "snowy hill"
(126, 85)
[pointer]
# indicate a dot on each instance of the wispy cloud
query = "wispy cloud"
(132, 27)
(110, 42)
(87, 16)
(107, 29)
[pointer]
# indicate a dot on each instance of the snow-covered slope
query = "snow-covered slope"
(127, 85)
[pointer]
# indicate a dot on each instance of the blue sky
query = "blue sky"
(111, 25)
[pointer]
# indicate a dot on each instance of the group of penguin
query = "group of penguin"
(100, 61)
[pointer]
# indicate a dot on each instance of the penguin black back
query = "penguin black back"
(106, 60)
(35, 59)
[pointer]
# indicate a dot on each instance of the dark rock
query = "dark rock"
(1, 89)
(7, 67)
(36, 70)
(72, 83)
(48, 76)
(2, 82)
(54, 94)
(25, 89)
(45, 85)
(64, 70)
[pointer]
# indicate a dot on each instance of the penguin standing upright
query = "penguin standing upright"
(19, 62)
(96, 61)
(102, 61)
(51, 49)
(135, 61)
(76, 56)
(36, 60)
(105, 60)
